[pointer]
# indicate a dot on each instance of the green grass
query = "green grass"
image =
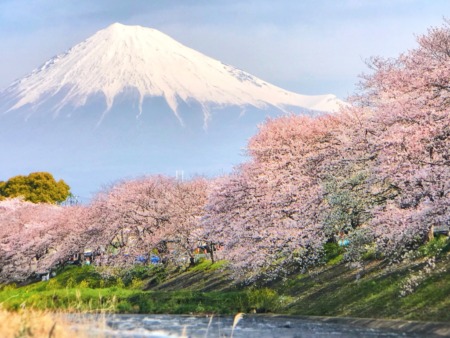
(120, 300)
(182, 302)
(83, 289)
(336, 292)
(206, 265)
(439, 245)
(329, 290)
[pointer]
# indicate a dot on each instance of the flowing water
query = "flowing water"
(259, 326)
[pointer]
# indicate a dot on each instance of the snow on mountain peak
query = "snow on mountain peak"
(121, 57)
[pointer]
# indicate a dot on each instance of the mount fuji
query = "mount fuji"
(130, 101)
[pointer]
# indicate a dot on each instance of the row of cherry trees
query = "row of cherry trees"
(36, 237)
(132, 218)
(154, 213)
(375, 175)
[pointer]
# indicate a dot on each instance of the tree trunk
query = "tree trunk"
(211, 252)
(430, 234)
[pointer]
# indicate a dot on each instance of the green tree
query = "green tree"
(38, 187)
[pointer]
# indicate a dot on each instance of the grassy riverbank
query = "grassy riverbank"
(413, 290)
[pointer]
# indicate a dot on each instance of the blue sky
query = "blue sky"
(306, 46)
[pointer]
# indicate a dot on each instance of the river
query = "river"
(258, 326)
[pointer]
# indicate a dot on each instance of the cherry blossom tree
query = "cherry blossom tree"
(352, 189)
(140, 215)
(267, 213)
(410, 96)
(188, 200)
(26, 236)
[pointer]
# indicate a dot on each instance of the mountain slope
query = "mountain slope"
(121, 57)
(131, 101)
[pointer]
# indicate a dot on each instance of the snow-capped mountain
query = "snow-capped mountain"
(76, 115)
(122, 57)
